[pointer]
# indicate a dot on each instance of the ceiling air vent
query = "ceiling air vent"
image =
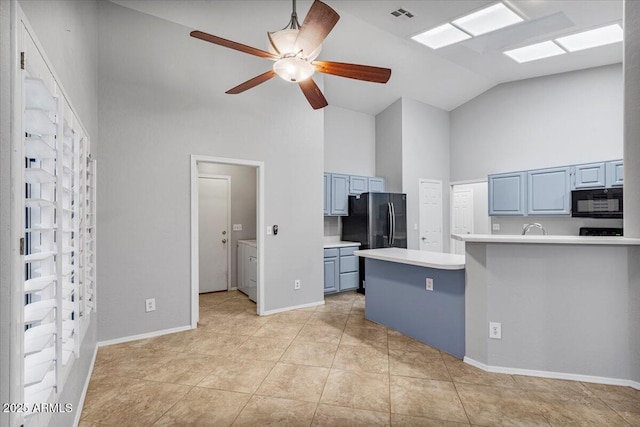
(402, 13)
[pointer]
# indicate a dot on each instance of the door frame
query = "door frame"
(228, 224)
(195, 283)
(420, 225)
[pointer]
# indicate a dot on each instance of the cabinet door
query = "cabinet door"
(549, 191)
(589, 176)
(376, 185)
(339, 194)
(331, 274)
(615, 175)
(327, 194)
(507, 194)
(358, 184)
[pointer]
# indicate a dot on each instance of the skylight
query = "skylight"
(488, 19)
(441, 36)
(592, 38)
(535, 51)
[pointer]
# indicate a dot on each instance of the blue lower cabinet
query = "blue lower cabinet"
(341, 269)
(331, 270)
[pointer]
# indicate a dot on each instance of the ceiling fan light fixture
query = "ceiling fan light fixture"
(293, 69)
(283, 43)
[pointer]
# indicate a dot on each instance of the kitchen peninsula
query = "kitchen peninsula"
(400, 295)
(568, 306)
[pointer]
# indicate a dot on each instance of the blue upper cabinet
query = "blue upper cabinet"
(327, 194)
(358, 184)
(339, 194)
(589, 176)
(377, 185)
(507, 194)
(549, 191)
(615, 175)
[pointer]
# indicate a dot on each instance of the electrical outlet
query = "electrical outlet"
(237, 227)
(495, 330)
(150, 305)
(296, 284)
(496, 227)
(429, 284)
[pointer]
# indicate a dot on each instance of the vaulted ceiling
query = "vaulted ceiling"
(368, 33)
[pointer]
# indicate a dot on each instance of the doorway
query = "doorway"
(200, 180)
(430, 199)
(469, 211)
(214, 213)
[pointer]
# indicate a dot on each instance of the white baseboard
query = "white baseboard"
(76, 420)
(553, 375)
(143, 336)
(295, 307)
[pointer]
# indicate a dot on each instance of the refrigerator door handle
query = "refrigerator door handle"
(393, 223)
(390, 214)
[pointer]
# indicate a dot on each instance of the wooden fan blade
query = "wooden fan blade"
(319, 22)
(231, 44)
(313, 94)
(353, 71)
(252, 82)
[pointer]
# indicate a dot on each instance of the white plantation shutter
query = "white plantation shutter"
(41, 305)
(57, 197)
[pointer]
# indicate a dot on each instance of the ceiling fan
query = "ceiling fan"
(294, 50)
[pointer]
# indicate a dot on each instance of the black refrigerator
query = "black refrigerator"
(376, 220)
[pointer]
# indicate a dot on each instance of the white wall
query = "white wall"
(555, 120)
(243, 206)
(632, 169)
(425, 154)
(389, 146)
(162, 99)
(349, 142)
(349, 148)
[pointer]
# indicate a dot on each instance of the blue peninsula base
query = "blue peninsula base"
(396, 297)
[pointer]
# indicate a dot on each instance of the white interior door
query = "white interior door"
(461, 217)
(213, 238)
(430, 215)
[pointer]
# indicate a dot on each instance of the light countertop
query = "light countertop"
(438, 260)
(339, 244)
(559, 240)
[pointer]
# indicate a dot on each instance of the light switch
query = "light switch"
(237, 227)
(269, 230)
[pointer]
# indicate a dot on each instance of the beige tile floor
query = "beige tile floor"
(324, 366)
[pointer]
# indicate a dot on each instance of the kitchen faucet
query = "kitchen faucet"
(527, 227)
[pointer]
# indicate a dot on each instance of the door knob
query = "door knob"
(224, 240)
(424, 238)
(224, 232)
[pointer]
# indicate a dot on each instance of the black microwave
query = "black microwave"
(597, 203)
